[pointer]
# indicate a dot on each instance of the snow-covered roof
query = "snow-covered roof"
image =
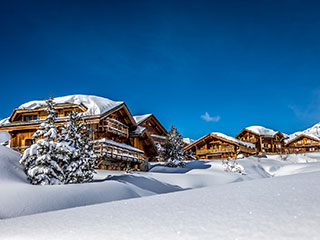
(95, 105)
(262, 131)
(188, 140)
(140, 118)
(4, 121)
(222, 135)
(298, 134)
(138, 130)
(116, 144)
(158, 136)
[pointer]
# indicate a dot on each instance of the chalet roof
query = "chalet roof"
(224, 137)
(95, 105)
(262, 131)
(296, 135)
(138, 131)
(158, 136)
(140, 118)
(232, 139)
(4, 121)
(188, 140)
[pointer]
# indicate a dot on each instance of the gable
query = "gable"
(151, 123)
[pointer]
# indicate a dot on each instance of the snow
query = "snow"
(121, 145)
(139, 130)
(314, 130)
(140, 118)
(298, 134)
(277, 198)
(4, 137)
(95, 105)
(262, 131)
(4, 121)
(158, 136)
(188, 140)
(232, 139)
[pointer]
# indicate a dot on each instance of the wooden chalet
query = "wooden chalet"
(219, 146)
(301, 142)
(267, 141)
(157, 132)
(116, 142)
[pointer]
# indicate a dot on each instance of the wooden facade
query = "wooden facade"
(265, 143)
(157, 132)
(122, 149)
(302, 143)
(219, 146)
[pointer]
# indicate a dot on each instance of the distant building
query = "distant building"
(219, 146)
(267, 141)
(301, 142)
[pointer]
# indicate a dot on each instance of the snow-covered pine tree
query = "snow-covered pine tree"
(79, 167)
(40, 160)
(174, 148)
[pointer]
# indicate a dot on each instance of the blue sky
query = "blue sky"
(201, 65)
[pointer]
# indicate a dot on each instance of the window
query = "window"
(30, 117)
(66, 113)
(57, 115)
(28, 142)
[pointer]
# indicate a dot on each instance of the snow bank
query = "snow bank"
(95, 105)
(4, 137)
(273, 208)
(19, 198)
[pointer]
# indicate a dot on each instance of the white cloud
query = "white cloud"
(208, 118)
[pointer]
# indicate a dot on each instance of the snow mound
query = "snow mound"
(10, 169)
(95, 105)
(4, 137)
(262, 131)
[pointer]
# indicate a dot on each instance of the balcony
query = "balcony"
(215, 151)
(116, 127)
(108, 150)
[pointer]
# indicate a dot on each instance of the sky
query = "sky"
(203, 66)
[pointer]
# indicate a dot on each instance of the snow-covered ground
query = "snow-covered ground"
(278, 198)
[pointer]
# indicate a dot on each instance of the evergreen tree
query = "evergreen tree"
(40, 160)
(174, 148)
(79, 167)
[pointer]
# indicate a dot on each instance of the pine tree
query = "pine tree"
(40, 160)
(174, 148)
(79, 167)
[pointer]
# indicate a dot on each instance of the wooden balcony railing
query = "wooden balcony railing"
(109, 150)
(116, 127)
(212, 151)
